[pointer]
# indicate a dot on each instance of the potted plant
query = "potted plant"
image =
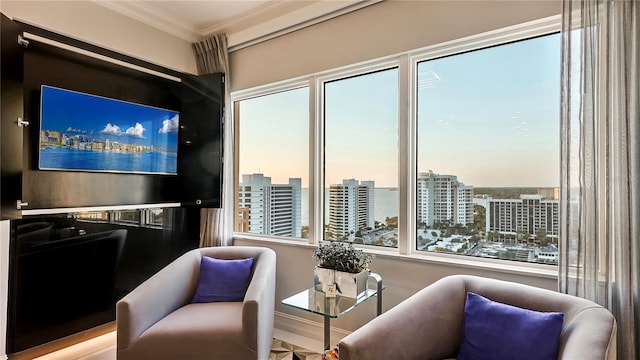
(342, 266)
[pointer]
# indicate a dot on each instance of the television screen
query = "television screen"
(83, 132)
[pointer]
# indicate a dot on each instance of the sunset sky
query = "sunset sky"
(490, 117)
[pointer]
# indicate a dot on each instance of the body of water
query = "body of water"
(75, 159)
(386, 204)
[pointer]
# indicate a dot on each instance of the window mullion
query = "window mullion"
(406, 159)
(316, 155)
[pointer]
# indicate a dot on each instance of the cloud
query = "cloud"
(111, 129)
(169, 126)
(70, 129)
(134, 131)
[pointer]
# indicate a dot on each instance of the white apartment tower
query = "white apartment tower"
(272, 209)
(443, 198)
(528, 214)
(350, 208)
(464, 204)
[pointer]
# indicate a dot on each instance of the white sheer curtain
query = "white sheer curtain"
(216, 225)
(600, 141)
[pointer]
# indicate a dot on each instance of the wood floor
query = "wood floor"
(84, 341)
(100, 344)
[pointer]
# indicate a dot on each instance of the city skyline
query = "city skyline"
(72, 113)
(449, 218)
(389, 205)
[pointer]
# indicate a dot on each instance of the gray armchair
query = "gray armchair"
(157, 321)
(429, 324)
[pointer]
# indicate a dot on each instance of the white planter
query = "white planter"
(347, 284)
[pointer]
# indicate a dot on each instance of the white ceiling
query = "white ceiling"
(244, 21)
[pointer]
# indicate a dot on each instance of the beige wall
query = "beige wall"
(383, 29)
(85, 20)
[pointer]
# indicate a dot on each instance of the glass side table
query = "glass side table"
(314, 301)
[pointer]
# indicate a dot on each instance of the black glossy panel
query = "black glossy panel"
(67, 272)
(11, 106)
(200, 157)
(47, 65)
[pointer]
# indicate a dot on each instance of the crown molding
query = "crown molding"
(152, 17)
(291, 21)
(313, 13)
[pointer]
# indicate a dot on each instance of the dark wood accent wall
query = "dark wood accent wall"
(43, 189)
(200, 100)
(11, 108)
(67, 272)
(200, 168)
(56, 259)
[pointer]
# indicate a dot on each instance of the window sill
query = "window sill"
(461, 261)
(469, 262)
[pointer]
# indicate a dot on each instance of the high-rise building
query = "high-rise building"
(351, 208)
(529, 214)
(464, 204)
(270, 209)
(442, 198)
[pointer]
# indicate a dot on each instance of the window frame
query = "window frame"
(407, 63)
(271, 89)
(337, 75)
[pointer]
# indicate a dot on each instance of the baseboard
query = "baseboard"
(304, 332)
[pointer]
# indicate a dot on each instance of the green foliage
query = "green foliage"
(505, 192)
(422, 241)
(391, 222)
(342, 256)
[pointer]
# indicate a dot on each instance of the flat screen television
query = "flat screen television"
(84, 132)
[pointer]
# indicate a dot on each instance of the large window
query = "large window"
(443, 151)
(361, 158)
(488, 152)
(273, 164)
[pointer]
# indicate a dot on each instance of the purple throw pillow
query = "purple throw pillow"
(494, 330)
(222, 280)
